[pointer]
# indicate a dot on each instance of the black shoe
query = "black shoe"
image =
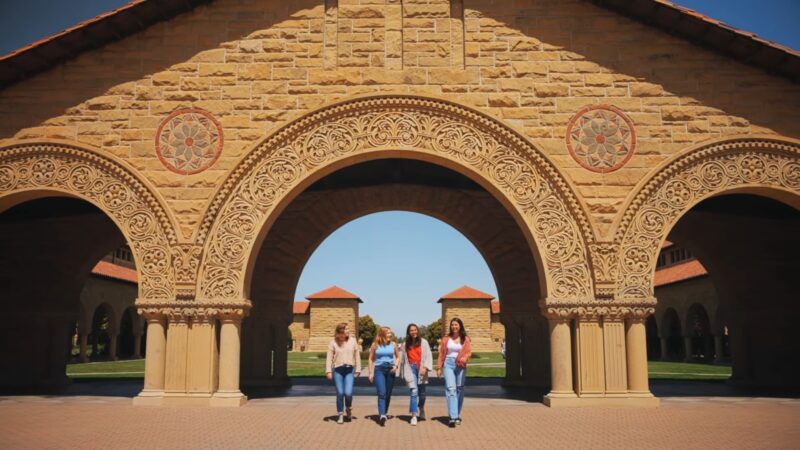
(382, 421)
(452, 423)
(348, 414)
(421, 414)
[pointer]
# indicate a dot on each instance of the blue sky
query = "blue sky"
(399, 263)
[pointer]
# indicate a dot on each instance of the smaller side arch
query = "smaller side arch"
(31, 169)
(765, 165)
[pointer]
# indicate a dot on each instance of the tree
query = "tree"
(367, 330)
(433, 331)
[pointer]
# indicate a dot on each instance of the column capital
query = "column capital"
(593, 309)
(194, 311)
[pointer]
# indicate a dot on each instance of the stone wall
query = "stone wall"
(682, 295)
(532, 64)
(324, 316)
(476, 315)
(498, 332)
(301, 331)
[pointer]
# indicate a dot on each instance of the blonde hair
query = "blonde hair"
(382, 338)
(338, 334)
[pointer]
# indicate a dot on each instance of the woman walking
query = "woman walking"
(454, 354)
(342, 365)
(382, 369)
(415, 363)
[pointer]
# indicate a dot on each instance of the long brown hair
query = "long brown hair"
(382, 338)
(338, 335)
(462, 333)
(412, 342)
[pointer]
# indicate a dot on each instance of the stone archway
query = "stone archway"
(748, 164)
(34, 169)
(31, 170)
(502, 161)
(718, 175)
(478, 146)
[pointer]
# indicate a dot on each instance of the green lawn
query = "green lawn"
(666, 370)
(485, 365)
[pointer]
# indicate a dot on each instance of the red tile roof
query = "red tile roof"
(107, 269)
(466, 293)
(140, 14)
(495, 306)
(667, 244)
(679, 272)
(300, 307)
(334, 293)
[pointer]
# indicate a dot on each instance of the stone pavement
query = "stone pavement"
(304, 419)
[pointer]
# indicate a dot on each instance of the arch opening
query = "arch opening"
(380, 185)
(50, 247)
(748, 244)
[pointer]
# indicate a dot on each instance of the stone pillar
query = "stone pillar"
(664, 348)
(137, 346)
(687, 348)
(112, 346)
(719, 348)
(636, 352)
(280, 365)
(560, 360)
(83, 348)
(228, 393)
(513, 353)
(708, 348)
(154, 364)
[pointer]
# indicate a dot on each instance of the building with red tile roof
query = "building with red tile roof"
(326, 309)
(474, 308)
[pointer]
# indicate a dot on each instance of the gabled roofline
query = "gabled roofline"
(139, 14)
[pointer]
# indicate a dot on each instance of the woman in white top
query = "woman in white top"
(342, 365)
(454, 354)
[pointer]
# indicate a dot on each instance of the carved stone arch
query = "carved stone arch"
(756, 164)
(495, 156)
(30, 169)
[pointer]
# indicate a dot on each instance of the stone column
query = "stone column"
(513, 353)
(560, 360)
(708, 348)
(636, 352)
(687, 348)
(83, 348)
(719, 348)
(280, 365)
(155, 362)
(137, 346)
(228, 393)
(112, 346)
(664, 348)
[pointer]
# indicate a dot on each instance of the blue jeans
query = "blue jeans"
(417, 391)
(384, 382)
(454, 378)
(343, 377)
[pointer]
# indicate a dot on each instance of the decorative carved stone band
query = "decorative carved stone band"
(747, 163)
(110, 186)
(477, 143)
(193, 311)
(637, 309)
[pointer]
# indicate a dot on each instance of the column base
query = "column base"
(228, 399)
(149, 398)
(582, 402)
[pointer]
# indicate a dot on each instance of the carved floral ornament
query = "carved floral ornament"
(189, 141)
(439, 128)
(601, 138)
(711, 170)
(112, 188)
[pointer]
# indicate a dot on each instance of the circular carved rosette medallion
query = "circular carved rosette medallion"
(189, 141)
(601, 138)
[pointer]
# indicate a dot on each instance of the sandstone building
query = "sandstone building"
(224, 140)
(474, 308)
(327, 309)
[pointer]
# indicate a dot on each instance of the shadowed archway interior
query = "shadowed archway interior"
(383, 185)
(749, 245)
(48, 247)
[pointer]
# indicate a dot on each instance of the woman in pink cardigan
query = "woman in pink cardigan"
(454, 354)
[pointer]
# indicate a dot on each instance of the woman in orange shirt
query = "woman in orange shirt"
(415, 363)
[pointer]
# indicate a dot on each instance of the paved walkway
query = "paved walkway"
(304, 419)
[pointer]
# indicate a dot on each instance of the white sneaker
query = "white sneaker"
(341, 419)
(414, 420)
